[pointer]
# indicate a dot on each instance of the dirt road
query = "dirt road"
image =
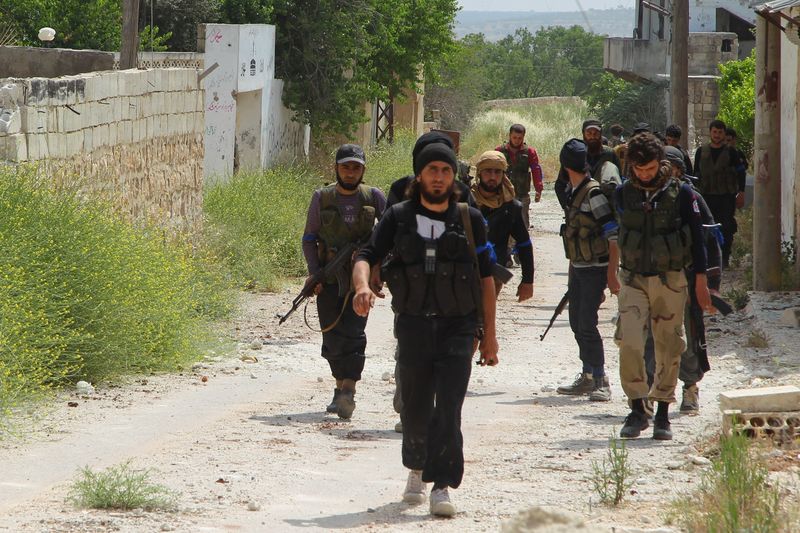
(256, 432)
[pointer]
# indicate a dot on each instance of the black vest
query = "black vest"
(451, 285)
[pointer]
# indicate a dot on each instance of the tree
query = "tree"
(617, 101)
(336, 55)
(178, 18)
(737, 99)
(80, 24)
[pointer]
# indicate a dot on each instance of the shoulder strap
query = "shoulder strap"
(578, 199)
(327, 197)
(466, 221)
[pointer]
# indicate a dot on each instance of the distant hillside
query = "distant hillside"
(495, 25)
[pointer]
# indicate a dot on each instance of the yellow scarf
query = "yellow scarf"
(493, 200)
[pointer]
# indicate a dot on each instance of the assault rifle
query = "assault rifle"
(336, 267)
(559, 309)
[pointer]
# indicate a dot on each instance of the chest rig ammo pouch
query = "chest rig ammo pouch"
(652, 237)
(432, 277)
(519, 170)
(719, 177)
(582, 235)
(334, 232)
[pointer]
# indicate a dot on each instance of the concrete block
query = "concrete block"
(113, 134)
(69, 120)
(12, 94)
(115, 104)
(782, 428)
(74, 143)
(791, 317)
(56, 145)
(88, 140)
(36, 92)
(10, 120)
(124, 132)
(17, 147)
(100, 136)
(37, 146)
(774, 399)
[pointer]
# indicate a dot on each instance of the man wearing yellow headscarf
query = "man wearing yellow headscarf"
(494, 195)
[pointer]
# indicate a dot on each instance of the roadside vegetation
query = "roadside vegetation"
(120, 487)
(86, 296)
(737, 494)
(548, 126)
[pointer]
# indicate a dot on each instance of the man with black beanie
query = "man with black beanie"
(440, 277)
(589, 235)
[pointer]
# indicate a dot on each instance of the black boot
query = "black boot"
(635, 422)
(661, 426)
(332, 406)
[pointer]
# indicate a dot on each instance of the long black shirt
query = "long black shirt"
(501, 230)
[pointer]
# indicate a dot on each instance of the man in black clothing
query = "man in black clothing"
(398, 189)
(494, 194)
(442, 292)
(660, 234)
(603, 163)
(720, 173)
(589, 234)
(673, 135)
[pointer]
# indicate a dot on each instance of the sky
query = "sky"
(541, 5)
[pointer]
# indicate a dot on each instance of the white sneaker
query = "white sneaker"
(415, 488)
(440, 503)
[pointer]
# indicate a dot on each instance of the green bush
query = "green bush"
(737, 99)
(84, 295)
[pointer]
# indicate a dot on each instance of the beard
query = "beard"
(594, 146)
(348, 186)
(491, 190)
(440, 198)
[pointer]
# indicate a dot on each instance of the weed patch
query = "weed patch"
(757, 339)
(120, 487)
(736, 494)
(611, 479)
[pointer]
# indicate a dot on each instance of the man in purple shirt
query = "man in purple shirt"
(339, 214)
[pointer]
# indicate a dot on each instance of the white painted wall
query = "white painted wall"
(222, 48)
(790, 195)
(703, 13)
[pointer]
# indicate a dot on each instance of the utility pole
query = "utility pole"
(767, 191)
(129, 52)
(679, 68)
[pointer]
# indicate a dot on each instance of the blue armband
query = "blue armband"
(490, 247)
(310, 237)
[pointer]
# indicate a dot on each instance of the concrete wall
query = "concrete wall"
(28, 62)
(635, 59)
(706, 51)
(703, 13)
(703, 108)
(166, 60)
(247, 125)
(790, 167)
(133, 137)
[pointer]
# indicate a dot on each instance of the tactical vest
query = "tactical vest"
(451, 288)
(334, 231)
(582, 235)
(719, 177)
(652, 236)
(500, 222)
(519, 171)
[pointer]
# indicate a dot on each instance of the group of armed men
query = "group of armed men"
(636, 222)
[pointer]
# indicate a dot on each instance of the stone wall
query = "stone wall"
(134, 137)
(703, 108)
(708, 50)
(26, 61)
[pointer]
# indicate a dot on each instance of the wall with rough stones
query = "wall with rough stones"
(26, 61)
(134, 137)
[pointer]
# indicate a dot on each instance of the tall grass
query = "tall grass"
(256, 219)
(736, 494)
(548, 127)
(84, 295)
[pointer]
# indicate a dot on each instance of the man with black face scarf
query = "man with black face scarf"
(339, 214)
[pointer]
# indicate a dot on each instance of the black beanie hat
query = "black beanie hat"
(675, 156)
(429, 138)
(435, 151)
(573, 155)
